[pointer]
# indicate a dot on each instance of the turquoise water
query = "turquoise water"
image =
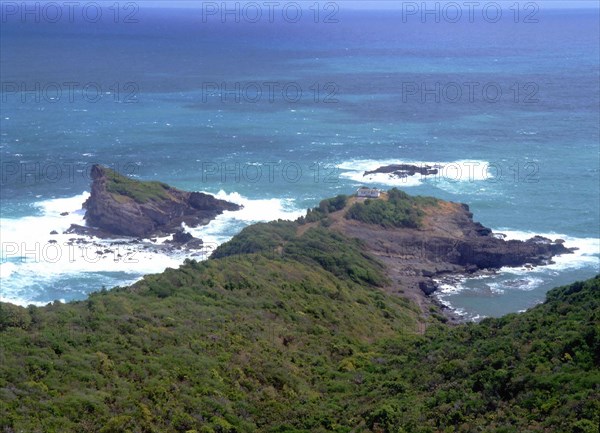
(162, 103)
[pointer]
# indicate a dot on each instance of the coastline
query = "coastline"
(34, 261)
(154, 256)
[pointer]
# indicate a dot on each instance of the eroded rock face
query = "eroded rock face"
(449, 242)
(147, 208)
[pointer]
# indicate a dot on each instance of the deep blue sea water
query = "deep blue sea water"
(280, 115)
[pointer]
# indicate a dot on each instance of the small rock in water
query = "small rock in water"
(64, 214)
(182, 237)
(53, 232)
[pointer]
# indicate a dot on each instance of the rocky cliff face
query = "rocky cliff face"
(448, 242)
(120, 206)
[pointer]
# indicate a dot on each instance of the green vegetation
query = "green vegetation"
(325, 207)
(265, 238)
(399, 210)
(530, 372)
(343, 257)
(288, 332)
(140, 191)
(238, 344)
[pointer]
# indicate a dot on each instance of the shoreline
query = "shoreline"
(108, 250)
(107, 247)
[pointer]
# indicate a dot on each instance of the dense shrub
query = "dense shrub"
(325, 207)
(263, 238)
(399, 210)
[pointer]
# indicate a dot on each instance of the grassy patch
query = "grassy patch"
(140, 191)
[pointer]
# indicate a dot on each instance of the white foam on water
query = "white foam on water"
(30, 256)
(6, 270)
(29, 261)
(509, 279)
(492, 286)
(587, 253)
(449, 173)
(261, 209)
(229, 223)
(526, 284)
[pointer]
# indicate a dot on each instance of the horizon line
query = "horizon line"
(373, 5)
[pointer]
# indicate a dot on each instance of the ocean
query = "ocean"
(277, 111)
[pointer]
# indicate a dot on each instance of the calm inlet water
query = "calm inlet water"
(277, 116)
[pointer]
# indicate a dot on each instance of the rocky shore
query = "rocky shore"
(448, 243)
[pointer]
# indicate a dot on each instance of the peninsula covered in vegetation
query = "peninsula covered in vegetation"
(316, 325)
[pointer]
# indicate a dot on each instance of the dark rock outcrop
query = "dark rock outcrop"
(427, 286)
(184, 239)
(120, 206)
(404, 170)
(181, 237)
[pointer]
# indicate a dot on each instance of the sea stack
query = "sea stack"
(120, 206)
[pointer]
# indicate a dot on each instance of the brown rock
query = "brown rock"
(449, 242)
(120, 206)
